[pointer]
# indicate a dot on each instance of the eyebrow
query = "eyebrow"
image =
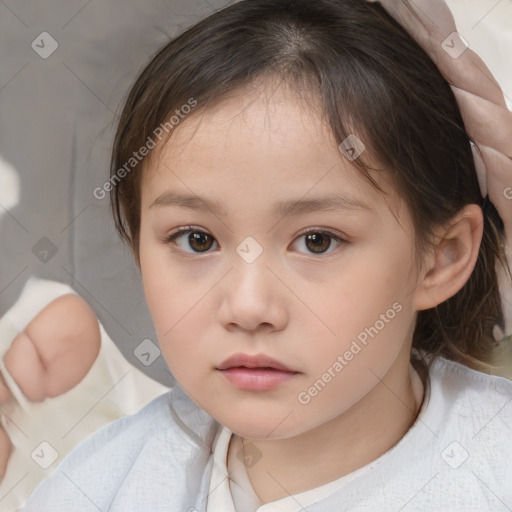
(291, 207)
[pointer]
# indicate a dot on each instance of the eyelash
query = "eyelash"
(170, 239)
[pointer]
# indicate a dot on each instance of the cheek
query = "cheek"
(177, 307)
(180, 320)
(364, 314)
(355, 299)
(176, 311)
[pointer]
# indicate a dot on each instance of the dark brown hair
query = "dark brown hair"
(371, 79)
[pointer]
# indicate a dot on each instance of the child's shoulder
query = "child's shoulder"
(459, 384)
(471, 408)
(457, 455)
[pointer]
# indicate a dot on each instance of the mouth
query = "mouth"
(255, 373)
(256, 362)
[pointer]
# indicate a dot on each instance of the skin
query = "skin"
(259, 147)
(51, 356)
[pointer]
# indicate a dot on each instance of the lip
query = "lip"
(256, 361)
(255, 373)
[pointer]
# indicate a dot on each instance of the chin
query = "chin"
(261, 426)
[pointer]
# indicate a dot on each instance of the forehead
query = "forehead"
(263, 141)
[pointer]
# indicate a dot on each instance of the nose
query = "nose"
(253, 299)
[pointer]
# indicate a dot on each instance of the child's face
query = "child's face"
(342, 316)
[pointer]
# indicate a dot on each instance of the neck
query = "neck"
(339, 447)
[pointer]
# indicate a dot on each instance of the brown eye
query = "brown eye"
(318, 242)
(200, 241)
(197, 240)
